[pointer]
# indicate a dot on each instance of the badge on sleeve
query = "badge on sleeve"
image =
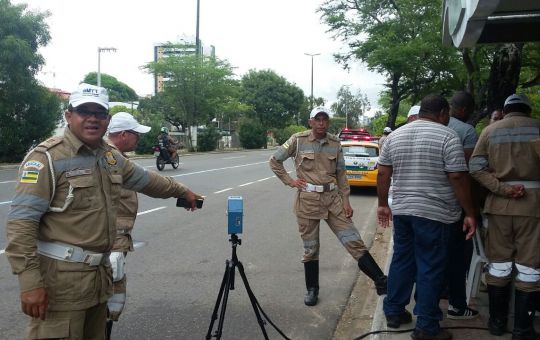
(29, 176)
(31, 164)
(110, 158)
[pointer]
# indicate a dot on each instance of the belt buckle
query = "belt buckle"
(319, 188)
(93, 259)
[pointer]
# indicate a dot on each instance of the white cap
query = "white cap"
(317, 110)
(123, 121)
(413, 111)
(387, 130)
(517, 99)
(87, 93)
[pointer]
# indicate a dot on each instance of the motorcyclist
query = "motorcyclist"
(168, 142)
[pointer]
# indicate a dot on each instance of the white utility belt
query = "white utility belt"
(526, 184)
(319, 188)
(70, 253)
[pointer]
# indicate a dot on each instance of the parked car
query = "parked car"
(361, 159)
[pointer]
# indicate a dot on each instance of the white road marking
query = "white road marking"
(4, 182)
(219, 169)
(2, 251)
(264, 179)
(149, 211)
(248, 183)
(234, 157)
(5, 202)
(220, 191)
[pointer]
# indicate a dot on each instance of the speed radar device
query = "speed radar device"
(235, 214)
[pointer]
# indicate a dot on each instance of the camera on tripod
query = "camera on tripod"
(235, 214)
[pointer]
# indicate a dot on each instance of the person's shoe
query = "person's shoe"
(461, 314)
(443, 334)
(311, 297)
(395, 321)
(497, 327)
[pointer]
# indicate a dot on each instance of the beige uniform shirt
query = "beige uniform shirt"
(504, 152)
(96, 177)
(316, 161)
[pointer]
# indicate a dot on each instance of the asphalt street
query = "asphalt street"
(173, 281)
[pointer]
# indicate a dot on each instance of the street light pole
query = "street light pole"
(197, 40)
(312, 55)
(99, 50)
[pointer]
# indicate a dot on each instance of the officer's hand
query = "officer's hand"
(348, 209)
(34, 303)
(298, 183)
(384, 216)
(515, 191)
(191, 198)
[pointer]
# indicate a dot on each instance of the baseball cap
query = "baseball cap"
(517, 99)
(317, 110)
(387, 129)
(413, 111)
(87, 93)
(123, 121)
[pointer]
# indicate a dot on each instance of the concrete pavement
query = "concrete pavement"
(364, 314)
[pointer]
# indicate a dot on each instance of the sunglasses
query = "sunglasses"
(134, 133)
(86, 113)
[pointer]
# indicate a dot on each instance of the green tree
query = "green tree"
(194, 90)
(118, 91)
(398, 40)
(208, 138)
(350, 106)
(252, 133)
(275, 101)
(283, 135)
(28, 111)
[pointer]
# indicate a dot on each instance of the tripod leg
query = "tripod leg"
(252, 298)
(218, 301)
(230, 275)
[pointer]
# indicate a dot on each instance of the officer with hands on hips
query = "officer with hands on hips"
(62, 222)
(322, 193)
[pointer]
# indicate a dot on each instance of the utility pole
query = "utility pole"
(99, 50)
(312, 55)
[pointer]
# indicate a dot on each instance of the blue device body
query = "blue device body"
(235, 214)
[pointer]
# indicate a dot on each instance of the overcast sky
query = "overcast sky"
(250, 34)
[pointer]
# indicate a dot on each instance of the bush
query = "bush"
(284, 134)
(251, 133)
(208, 138)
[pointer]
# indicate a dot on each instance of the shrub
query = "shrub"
(208, 138)
(284, 134)
(251, 133)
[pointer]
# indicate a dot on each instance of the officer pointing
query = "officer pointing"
(61, 226)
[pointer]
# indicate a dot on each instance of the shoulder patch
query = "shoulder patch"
(33, 164)
(303, 133)
(29, 176)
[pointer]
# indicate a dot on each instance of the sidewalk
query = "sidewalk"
(363, 313)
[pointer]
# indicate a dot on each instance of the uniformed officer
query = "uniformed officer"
(62, 222)
(123, 133)
(505, 162)
(323, 193)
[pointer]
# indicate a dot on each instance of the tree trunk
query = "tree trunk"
(396, 99)
(503, 77)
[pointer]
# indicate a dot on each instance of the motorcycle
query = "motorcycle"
(162, 157)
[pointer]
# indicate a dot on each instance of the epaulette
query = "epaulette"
(49, 143)
(303, 133)
(332, 137)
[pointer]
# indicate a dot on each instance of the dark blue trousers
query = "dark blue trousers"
(420, 255)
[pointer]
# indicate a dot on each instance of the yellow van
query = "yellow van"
(361, 160)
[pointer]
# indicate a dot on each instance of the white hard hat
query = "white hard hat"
(387, 130)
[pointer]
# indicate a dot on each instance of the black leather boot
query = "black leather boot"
(498, 309)
(369, 267)
(524, 310)
(311, 271)
(109, 329)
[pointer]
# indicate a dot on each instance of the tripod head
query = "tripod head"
(235, 240)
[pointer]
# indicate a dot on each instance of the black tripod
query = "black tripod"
(228, 284)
